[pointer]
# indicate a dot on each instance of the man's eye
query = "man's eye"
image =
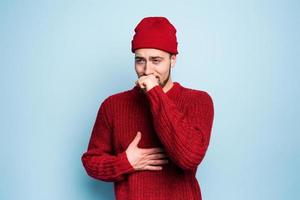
(139, 61)
(156, 61)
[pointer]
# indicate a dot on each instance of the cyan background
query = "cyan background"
(60, 59)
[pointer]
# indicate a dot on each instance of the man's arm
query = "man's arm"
(98, 160)
(184, 136)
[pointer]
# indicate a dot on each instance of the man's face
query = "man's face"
(154, 61)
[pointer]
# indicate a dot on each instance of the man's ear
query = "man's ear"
(173, 60)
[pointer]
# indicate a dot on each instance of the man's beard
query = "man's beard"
(167, 79)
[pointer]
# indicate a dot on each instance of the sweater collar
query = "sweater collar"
(175, 89)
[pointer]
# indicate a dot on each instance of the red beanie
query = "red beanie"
(155, 32)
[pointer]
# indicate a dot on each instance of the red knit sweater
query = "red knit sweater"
(180, 121)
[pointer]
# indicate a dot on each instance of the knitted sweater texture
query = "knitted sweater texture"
(179, 121)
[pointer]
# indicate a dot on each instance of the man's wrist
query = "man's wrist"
(150, 87)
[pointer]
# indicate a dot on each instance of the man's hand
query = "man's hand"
(145, 159)
(147, 82)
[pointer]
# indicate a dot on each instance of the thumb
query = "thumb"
(137, 139)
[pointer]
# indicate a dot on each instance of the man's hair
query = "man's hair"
(171, 54)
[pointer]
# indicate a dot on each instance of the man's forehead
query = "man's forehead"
(150, 53)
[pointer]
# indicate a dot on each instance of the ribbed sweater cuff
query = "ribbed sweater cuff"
(152, 95)
(122, 164)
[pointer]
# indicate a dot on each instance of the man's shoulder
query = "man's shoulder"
(196, 94)
(121, 96)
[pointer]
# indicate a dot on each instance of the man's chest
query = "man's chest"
(128, 122)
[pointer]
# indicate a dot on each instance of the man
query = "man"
(149, 140)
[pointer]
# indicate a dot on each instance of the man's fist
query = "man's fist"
(147, 82)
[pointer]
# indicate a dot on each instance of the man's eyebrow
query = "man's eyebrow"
(151, 57)
(155, 57)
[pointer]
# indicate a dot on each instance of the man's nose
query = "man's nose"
(148, 69)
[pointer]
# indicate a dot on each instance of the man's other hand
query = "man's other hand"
(145, 159)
